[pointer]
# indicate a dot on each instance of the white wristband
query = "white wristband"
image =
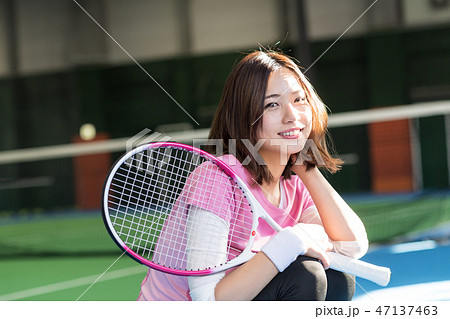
(284, 248)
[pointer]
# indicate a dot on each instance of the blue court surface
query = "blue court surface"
(420, 272)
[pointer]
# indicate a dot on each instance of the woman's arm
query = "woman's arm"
(247, 280)
(340, 222)
(354, 249)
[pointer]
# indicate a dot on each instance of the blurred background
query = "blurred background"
(74, 90)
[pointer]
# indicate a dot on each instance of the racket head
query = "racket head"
(146, 201)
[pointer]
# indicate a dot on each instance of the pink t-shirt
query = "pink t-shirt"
(158, 285)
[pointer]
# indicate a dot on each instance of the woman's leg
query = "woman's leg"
(306, 279)
(341, 286)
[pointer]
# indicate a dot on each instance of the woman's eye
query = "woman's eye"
(271, 105)
(301, 100)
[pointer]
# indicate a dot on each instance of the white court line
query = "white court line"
(83, 281)
(430, 291)
(414, 246)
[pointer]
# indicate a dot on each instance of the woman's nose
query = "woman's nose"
(290, 113)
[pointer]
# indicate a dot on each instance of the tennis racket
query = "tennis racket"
(150, 192)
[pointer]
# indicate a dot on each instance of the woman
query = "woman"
(269, 105)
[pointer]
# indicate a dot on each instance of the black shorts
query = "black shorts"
(306, 279)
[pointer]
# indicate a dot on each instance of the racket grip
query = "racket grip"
(377, 274)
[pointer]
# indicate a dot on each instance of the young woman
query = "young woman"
(268, 104)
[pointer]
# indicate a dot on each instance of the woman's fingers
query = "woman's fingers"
(321, 256)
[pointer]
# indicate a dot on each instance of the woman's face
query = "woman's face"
(287, 118)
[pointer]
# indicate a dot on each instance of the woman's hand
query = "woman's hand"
(299, 168)
(302, 239)
(317, 241)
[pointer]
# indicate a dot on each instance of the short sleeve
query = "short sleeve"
(210, 189)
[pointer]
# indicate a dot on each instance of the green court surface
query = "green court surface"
(59, 255)
(68, 278)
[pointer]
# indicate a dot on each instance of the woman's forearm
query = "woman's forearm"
(339, 220)
(246, 281)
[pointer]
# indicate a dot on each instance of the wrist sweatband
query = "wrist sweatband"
(284, 248)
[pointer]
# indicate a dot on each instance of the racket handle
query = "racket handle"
(377, 274)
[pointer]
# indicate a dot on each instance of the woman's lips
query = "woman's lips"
(291, 133)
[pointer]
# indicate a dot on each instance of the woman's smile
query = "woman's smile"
(292, 133)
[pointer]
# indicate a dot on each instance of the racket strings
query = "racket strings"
(211, 252)
(124, 225)
(149, 200)
(240, 222)
(174, 175)
(196, 188)
(129, 204)
(158, 184)
(171, 250)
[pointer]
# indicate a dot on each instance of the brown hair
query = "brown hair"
(239, 114)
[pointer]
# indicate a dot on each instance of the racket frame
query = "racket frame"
(256, 208)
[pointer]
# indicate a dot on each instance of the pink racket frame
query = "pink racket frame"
(247, 254)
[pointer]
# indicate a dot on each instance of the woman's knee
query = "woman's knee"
(309, 280)
(341, 286)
